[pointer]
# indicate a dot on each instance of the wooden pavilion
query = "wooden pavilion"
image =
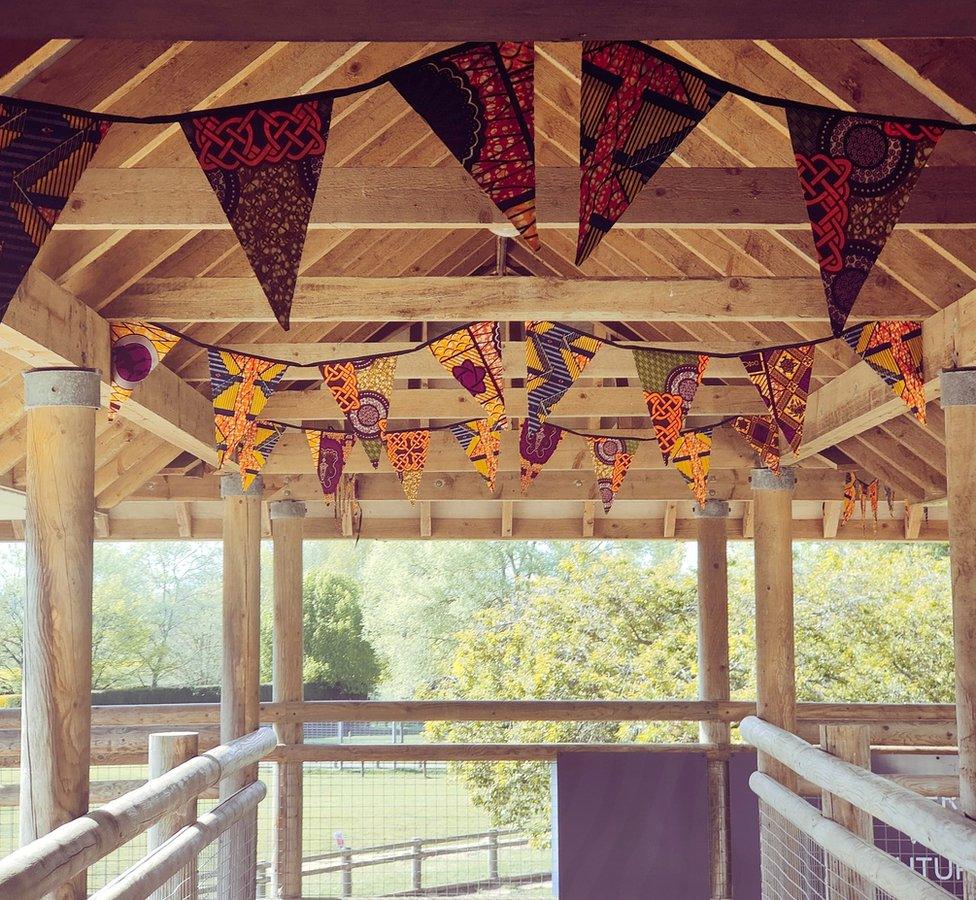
(402, 246)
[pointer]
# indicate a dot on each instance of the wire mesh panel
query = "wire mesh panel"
(372, 830)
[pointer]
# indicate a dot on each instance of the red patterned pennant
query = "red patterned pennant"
(670, 381)
(857, 173)
(478, 99)
(611, 460)
(782, 377)
(263, 163)
(761, 435)
(407, 452)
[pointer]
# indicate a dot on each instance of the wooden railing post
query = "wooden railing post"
(417, 864)
(167, 750)
(493, 854)
(346, 875)
(59, 534)
(713, 680)
(286, 534)
(958, 391)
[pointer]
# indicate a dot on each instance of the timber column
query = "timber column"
(713, 679)
(59, 531)
(775, 650)
(287, 521)
(959, 403)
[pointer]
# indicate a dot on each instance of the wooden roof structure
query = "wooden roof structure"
(715, 253)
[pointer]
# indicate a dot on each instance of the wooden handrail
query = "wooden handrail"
(940, 829)
(877, 867)
(155, 870)
(54, 859)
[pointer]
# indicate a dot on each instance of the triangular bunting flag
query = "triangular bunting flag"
(473, 355)
(259, 440)
(692, 457)
(850, 497)
(330, 449)
(636, 108)
(856, 173)
(894, 351)
(761, 435)
(861, 492)
(670, 381)
(362, 388)
(137, 349)
(782, 376)
(611, 460)
(263, 163)
(43, 153)
(478, 99)
(555, 356)
(481, 444)
(240, 386)
(407, 452)
(535, 450)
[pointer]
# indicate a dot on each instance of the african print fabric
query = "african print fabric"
(894, 351)
(362, 388)
(478, 99)
(692, 457)
(555, 356)
(263, 163)
(761, 435)
(407, 452)
(330, 450)
(535, 450)
(782, 376)
(850, 497)
(259, 440)
(863, 493)
(856, 173)
(43, 153)
(137, 349)
(670, 381)
(481, 444)
(636, 108)
(611, 460)
(473, 355)
(240, 386)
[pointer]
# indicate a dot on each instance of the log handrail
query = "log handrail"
(41, 866)
(154, 870)
(877, 867)
(944, 831)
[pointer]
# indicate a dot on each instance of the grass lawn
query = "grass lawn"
(362, 808)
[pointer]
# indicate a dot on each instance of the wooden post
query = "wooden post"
(167, 750)
(241, 669)
(775, 654)
(713, 680)
(959, 403)
(286, 535)
(59, 533)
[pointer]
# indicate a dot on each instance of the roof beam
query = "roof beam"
(445, 20)
(45, 325)
(410, 198)
(348, 299)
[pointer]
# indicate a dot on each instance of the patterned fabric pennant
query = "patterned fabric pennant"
(240, 386)
(850, 497)
(535, 450)
(473, 355)
(43, 153)
(761, 435)
(856, 173)
(362, 388)
(137, 349)
(611, 460)
(555, 356)
(670, 381)
(636, 108)
(894, 351)
(259, 440)
(857, 492)
(407, 452)
(330, 450)
(263, 163)
(692, 457)
(481, 443)
(782, 377)
(478, 99)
